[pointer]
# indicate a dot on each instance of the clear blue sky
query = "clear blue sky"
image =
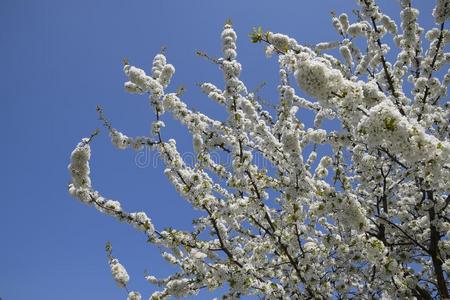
(61, 58)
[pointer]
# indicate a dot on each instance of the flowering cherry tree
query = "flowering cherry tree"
(369, 220)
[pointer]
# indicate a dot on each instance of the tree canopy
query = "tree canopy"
(368, 218)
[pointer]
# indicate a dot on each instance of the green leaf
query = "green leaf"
(389, 123)
(257, 35)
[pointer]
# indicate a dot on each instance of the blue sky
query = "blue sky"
(62, 58)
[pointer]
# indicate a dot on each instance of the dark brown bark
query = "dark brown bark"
(434, 252)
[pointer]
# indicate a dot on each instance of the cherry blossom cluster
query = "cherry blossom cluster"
(359, 210)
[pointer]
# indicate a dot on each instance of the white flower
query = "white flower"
(229, 43)
(337, 25)
(113, 205)
(119, 273)
(326, 46)
(317, 136)
(317, 78)
(358, 29)
(119, 140)
(141, 221)
(343, 19)
(389, 24)
(178, 287)
(133, 88)
(198, 143)
(134, 296)
(166, 74)
(309, 247)
(269, 50)
(345, 52)
(170, 257)
(375, 250)
(79, 165)
(151, 279)
(279, 41)
(156, 126)
(159, 61)
(196, 254)
(442, 11)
